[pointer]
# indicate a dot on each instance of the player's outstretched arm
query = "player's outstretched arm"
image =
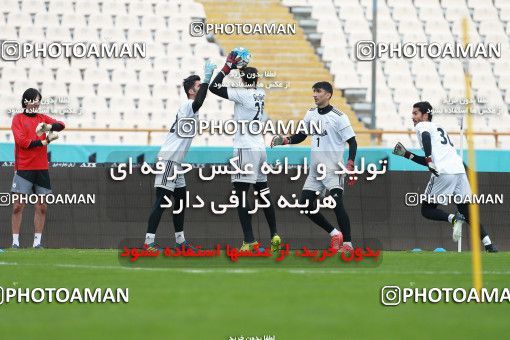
(353, 148)
(400, 150)
(216, 86)
(294, 139)
(202, 91)
(427, 148)
(199, 99)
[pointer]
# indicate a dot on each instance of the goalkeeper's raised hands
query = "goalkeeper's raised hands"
(230, 63)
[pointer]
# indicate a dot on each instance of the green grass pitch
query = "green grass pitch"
(204, 300)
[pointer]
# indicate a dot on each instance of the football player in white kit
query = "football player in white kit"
(249, 148)
(448, 173)
(172, 152)
(327, 149)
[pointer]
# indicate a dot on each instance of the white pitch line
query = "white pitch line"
(367, 271)
(185, 270)
(305, 271)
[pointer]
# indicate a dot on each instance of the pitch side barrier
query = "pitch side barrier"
(380, 214)
(487, 160)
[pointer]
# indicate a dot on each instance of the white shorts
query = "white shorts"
(162, 180)
(256, 158)
(329, 182)
(448, 184)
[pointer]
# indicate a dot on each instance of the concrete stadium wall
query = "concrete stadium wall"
(377, 211)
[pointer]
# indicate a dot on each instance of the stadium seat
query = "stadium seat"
(41, 74)
(140, 8)
(86, 7)
(10, 6)
(85, 34)
(193, 9)
(73, 20)
(97, 21)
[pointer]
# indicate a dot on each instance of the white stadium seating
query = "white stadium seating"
(146, 92)
(143, 93)
(401, 82)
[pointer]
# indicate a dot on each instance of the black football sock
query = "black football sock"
(464, 210)
(341, 215)
(242, 211)
(317, 218)
(262, 187)
(179, 203)
(157, 211)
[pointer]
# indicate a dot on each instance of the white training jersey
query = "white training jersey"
(328, 147)
(249, 105)
(176, 144)
(444, 154)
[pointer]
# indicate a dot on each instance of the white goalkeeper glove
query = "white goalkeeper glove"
(50, 137)
(42, 128)
(400, 150)
(279, 140)
(208, 71)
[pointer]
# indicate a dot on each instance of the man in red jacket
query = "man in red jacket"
(31, 174)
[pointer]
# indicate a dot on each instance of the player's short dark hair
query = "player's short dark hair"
(326, 86)
(189, 82)
(30, 94)
(424, 107)
(250, 75)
